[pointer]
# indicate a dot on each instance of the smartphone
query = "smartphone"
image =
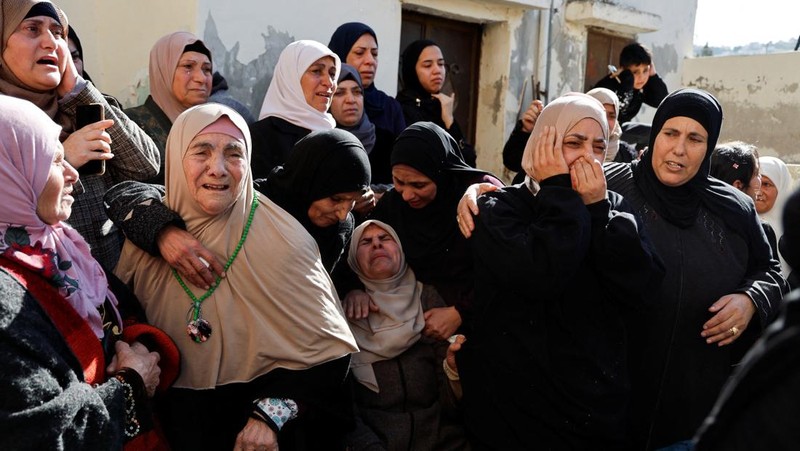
(85, 115)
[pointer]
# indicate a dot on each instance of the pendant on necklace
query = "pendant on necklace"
(199, 330)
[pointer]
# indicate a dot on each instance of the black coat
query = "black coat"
(273, 140)
(630, 99)
(546, 364)
(676, 375)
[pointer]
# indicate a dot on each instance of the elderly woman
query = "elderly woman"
(357, 45)
(546, 355)
(265, 350)
(422, 99)
(180, 78)
(776, 186)
(390, 413)
(319, 184)
(69, 380)
(296, 103)
(429, 178)
(36, 65)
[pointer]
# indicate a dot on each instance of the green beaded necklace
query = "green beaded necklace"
(198, 328)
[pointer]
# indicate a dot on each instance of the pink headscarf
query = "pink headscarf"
(28, 141)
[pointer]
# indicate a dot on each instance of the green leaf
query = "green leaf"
(17, 235)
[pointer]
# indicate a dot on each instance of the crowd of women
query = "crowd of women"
(337, 274)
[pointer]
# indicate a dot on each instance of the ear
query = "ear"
(738, 185)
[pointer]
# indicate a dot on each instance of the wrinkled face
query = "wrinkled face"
(641, 73)
(611, 116)
(347, 106)
(378, 254)
(679, 150)
(765, 199)
(584, 138)
(55, 201)
(77, 58)
(364, 57)
(328, 211)
(416, 188)
(36, 52)
(430, 69)
(319, 82)
(191, 84)
(214, 166)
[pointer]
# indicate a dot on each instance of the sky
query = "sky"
(738, 22)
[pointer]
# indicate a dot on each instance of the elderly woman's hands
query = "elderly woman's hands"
(138, 358)
(357, 304)
(733, 313)
(588, 179)
(256, 435)
(441, 322)
(181, 250)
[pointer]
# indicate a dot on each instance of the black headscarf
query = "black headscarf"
(364, 130)
(73, 37)
(680, 205)
(409, 66)
(322, 164)
(430, 150)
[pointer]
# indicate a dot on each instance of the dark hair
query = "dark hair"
(634, 54)
(735, 160)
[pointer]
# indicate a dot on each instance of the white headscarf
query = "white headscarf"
(285, 98)
(776, 170)
(608, 97)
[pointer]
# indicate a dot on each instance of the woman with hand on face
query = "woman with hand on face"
(37, 66)
(391, 414)
(296, 103)
(429, 178)
(180, 78)
(266, 349)
(776, 186)
(424, 73)
(76, 374)
(357, 45)
(559, 262)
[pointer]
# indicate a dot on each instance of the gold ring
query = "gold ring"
(734, 331)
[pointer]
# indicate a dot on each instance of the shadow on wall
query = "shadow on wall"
(246, 82)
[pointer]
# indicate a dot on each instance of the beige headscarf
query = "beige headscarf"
(276, 308)
(164, 58)
(608, 97)
(564, 113)
(12, 12)
(397, 325)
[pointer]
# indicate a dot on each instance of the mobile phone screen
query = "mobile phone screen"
(85, 115)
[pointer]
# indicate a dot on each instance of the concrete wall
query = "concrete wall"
(760, 96)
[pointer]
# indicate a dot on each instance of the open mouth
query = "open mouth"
(211, 187)
(48, 61)
(674, 165)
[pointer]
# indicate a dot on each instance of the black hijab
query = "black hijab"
(409, 66)
(73, 37)
(680, 205)
(430, 150)
(323, 163)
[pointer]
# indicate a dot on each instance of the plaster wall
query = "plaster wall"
(760, 97)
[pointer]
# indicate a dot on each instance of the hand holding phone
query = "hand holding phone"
(85, 115)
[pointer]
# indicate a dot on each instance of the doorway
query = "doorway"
(460, 43)
(602, 50)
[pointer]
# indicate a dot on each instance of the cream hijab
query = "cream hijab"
(778, 172)
(399, 322)
(276, 308)
(285, 98)
(563, 113)
(608, 97)
(12, 12)
(164, 58)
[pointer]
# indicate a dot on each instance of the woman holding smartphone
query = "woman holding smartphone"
(36, 66)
